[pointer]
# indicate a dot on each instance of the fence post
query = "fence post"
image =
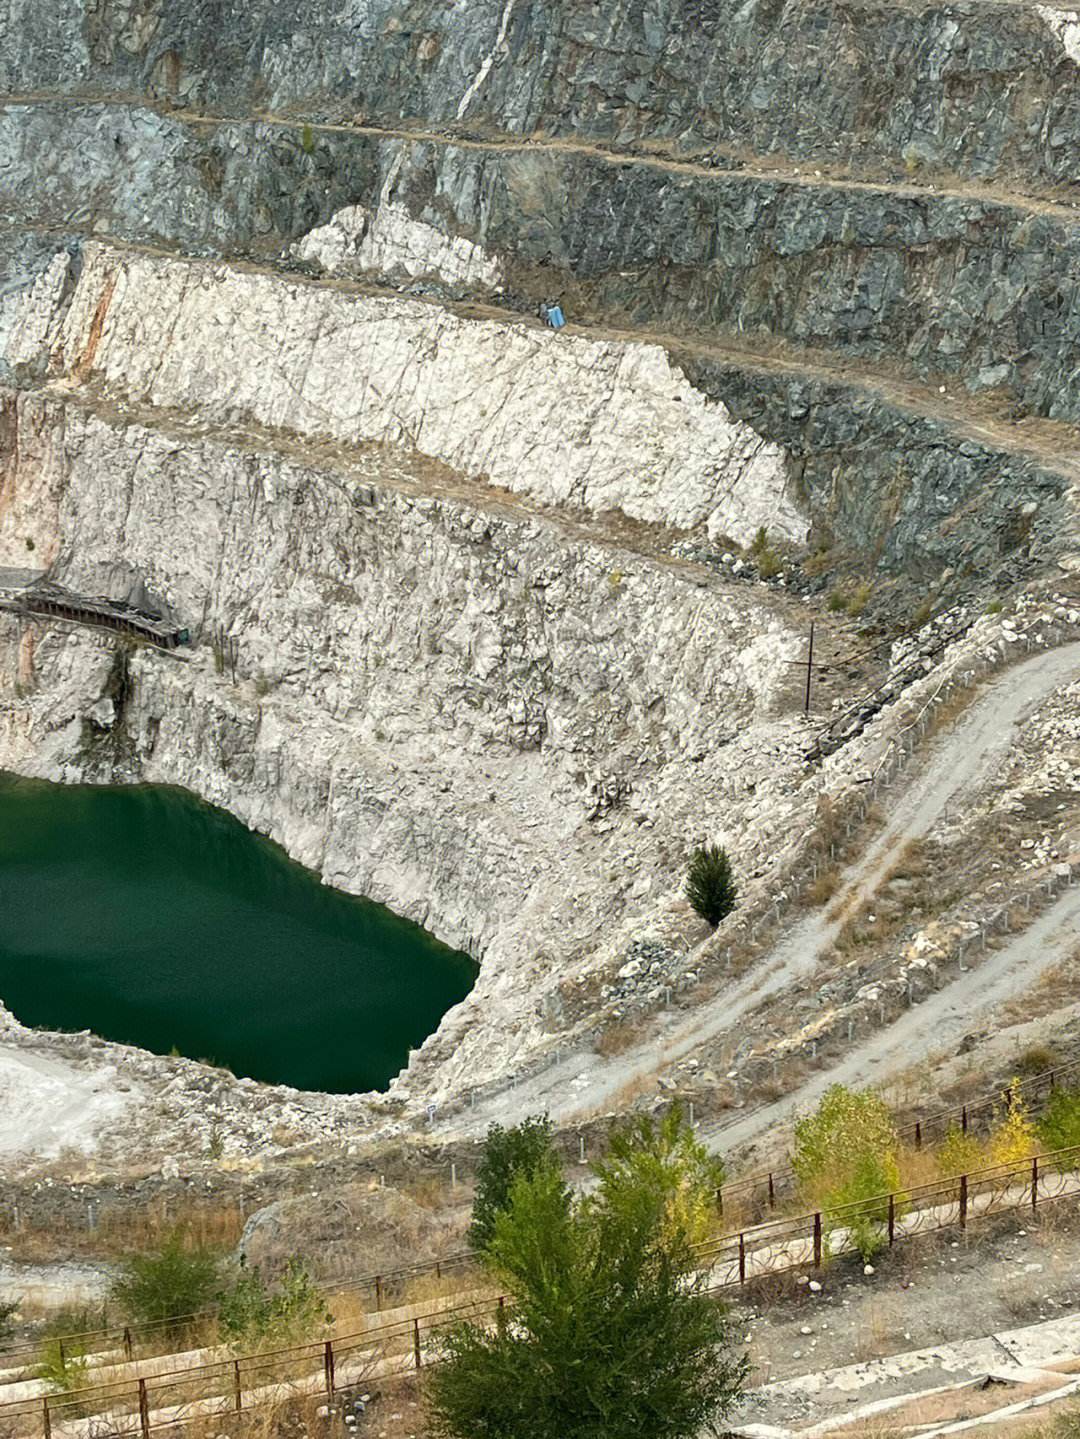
(238, 1392)
(416, 1342)
(963, 1201)
(918, 1134)
(46, 1418)
(127, 1343)
(772, 1192)
(378, 1292)
(892, 1219)
(817, 1240)
(720, 1201)
(742, 1258)
(1034, 1183)
(144, 1410)
(963, 1120)
(328, 1368)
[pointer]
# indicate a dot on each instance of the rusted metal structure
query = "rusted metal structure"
(45, 600)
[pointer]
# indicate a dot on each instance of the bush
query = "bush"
(710, 885)
(1013, 1137)
(168, 1285)
(252, 1315)
(8, 1311)
(62, 1364)
(846, 1154)
(522, 1150)
(1035, 1059)
(959, 1153)
(1059, 1126)
(667, 1159)
(611, 1332)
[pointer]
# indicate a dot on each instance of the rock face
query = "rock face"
(979, 91)
(269, 348)
(432, 683)
(594, 425)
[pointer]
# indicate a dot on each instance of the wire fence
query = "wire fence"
(144, 1404)
(810, 857)
(764, 1190)
(751, 1195)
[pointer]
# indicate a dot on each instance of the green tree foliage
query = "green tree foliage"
(666, 1159)
(609, 1334)
(9, 1310)
(959, 1153)
(63, 1366)
(847, 1153)
(522, 1149)
(167, 1285)
(251, 1314)
(1059, 1126)
(710, 885)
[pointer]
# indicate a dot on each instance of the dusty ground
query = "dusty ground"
(959, 764)
(941, 1289)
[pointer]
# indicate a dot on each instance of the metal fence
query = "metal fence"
(762, 1191)
(141, 1405)
(808, 857)
(754, 1194)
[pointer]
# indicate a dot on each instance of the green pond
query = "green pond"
(143, 915)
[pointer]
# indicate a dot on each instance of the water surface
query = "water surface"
(153, 919)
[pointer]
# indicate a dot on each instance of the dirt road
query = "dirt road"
(959, 762)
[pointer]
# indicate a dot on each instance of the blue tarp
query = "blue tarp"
(555, 317)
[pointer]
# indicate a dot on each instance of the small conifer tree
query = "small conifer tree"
(710, 885)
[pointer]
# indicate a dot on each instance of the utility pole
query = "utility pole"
(809, 669)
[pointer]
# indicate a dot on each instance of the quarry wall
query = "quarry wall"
(978, 89)
(821, 266)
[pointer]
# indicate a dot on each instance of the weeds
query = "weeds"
(166, 1286)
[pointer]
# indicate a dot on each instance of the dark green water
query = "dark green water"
(150, 918)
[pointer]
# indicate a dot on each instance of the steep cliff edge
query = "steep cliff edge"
(269, 349)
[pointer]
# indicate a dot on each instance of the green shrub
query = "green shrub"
(307, 140)
(769, 564)
(252, 1315)
(666, 1158)
(8, 1311)
(611, 1331)
(710, 885)
(508, 1153)
(62, 1361)
(959, 1153)
(63, 1366)
(1059, 1126)
(168, 1285)
(847, 1154)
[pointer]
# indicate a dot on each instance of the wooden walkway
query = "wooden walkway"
(26, 593)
